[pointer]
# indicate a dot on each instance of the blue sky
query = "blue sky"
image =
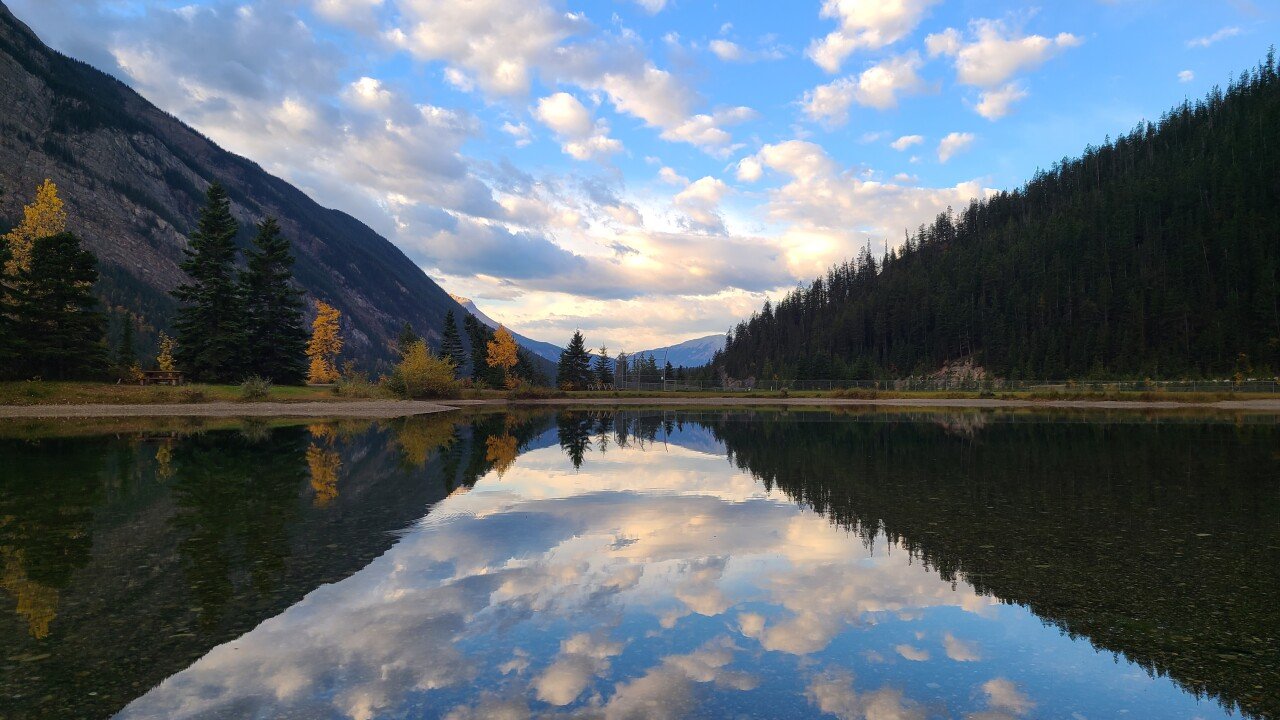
(651, 170)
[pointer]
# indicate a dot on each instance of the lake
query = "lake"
(643, 564)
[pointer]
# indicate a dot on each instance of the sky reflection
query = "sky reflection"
(652, 582)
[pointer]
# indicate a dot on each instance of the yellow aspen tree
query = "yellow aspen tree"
(42, 218)
(325, 345)
(324, 465)
(164, 359)
(504, 354)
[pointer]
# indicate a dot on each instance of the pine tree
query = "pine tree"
(210, 323)
(479, 335)
(502, 354)
(8, 341)
(42, 218)
(275, 336)
(668, 372)
(451, 341)
(604, 367)
(126, 353)
(406, 339)
(574, 369)
(325, 344)
(56, 322)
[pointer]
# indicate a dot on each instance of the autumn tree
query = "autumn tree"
(325, 344)
(503, 354)
(420, 374)
(57, 328)
(210, 323)
(164, 358)
(275, 337)
(42, 218)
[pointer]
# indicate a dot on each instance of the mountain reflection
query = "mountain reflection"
(615, 565)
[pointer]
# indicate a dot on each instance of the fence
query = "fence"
(961, 384)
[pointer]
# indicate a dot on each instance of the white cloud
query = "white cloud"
(1207, 40)
(700, 203)
(960, 650)
(994, 53)
(952, 144)
(707, 132)
(995, 104)
(1186, 76)
(906, 141)
(584, 137)
(877, 87)
(728, 51)
(653, 7)
(865, 25)
(521, 132)
(565, 115)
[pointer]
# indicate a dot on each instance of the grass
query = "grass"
(93, 393)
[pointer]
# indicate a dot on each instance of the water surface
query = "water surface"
(645, 564)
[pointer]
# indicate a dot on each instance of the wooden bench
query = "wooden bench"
(160, 377)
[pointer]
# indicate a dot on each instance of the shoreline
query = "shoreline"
(385, 409)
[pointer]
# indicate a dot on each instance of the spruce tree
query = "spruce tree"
(210, 323)
(604, 367)
(275, 330)
(574, 369)
(406, 339)
(56, 321)
(126, 353)
(451, 342)
(8, 341)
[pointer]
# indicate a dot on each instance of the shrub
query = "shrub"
(525, 391)
(255, 387)
(420, 375)
(354, 383)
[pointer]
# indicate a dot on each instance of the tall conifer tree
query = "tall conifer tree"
(451, 342)
(574, 370)
(604, 367)
(275, 333)
(210, 324)
(56, 320)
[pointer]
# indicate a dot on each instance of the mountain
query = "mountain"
(690, 353)
(1154, 255)
(133, 178)
(544, 350)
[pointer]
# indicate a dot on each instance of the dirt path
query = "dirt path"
(398, 408)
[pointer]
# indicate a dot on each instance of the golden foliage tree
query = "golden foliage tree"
(324, 464)
(325, 344)
(420, 374)
(504, 354)
(42, 218)
(501, 451)
(164, 358)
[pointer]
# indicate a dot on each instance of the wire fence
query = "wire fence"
(966, 384)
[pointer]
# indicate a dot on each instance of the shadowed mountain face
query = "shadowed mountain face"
(133, 179)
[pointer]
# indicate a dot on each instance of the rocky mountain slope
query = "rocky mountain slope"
(134, 177)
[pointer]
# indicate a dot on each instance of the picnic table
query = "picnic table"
(160, 377)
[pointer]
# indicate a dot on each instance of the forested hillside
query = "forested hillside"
(1155, 255)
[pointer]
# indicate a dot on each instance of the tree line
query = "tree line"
(1154, 255)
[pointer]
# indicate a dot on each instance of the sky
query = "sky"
(650, 171)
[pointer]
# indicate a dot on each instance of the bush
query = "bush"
(525, 391)
(255, 387)
(421, 375)
(354, 384)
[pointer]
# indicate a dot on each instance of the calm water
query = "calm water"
(643, 565)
